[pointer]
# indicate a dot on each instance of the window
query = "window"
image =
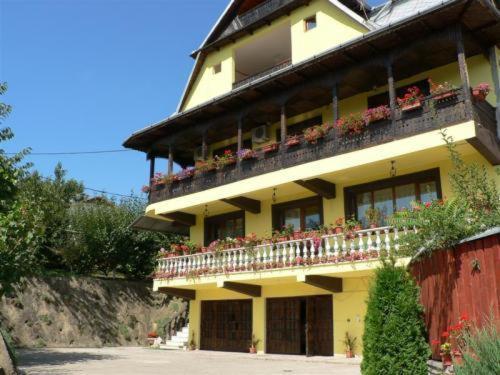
(217, 68)
(302, 214)
(383, 98)
(299, 127)
(226, 225)
(392, 194)
(310, 23)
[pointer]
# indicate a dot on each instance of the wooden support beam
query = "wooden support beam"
(240, 133)
(170, 168)
(247, 289)
(462, 65)
(318, 186)
(204, 146)
(392, 92)
(244, 203)
(331, 284)
(335, 103)
(283, 123)
(151, 168)
(188, 294)
(181, 217)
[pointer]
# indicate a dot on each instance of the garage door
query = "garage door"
(226, 325)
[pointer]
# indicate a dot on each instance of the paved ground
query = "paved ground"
(128, 361)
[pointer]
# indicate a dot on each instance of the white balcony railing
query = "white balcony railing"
(332, 248)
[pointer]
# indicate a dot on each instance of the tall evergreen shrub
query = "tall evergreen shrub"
(394, 338)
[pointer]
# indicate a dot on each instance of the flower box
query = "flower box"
(273, 147)
(379, 113)
(292, 141)
(412, 99)
(445, 95)
(315, 133)
(411, 106)
(246, 154)
(480, 92)
(185, 174)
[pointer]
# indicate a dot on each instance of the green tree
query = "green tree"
(394, 337)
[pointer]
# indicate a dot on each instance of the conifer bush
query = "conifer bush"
(394, 338)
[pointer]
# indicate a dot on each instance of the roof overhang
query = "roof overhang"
(152, 224)
(480, 18)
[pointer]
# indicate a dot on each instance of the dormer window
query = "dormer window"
(310, 23)
(217, 68)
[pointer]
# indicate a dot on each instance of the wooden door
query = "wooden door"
(285, 327)
(226, 325)
(320, 325)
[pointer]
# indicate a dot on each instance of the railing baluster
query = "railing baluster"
(361, 243)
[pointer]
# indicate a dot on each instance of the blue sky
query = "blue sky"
(84, 74)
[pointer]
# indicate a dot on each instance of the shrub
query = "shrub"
(482, 353)
(394, 336)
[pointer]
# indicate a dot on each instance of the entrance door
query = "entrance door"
(320, 325)
(226, 325)
(300, 325)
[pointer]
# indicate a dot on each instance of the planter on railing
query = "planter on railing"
(329, 249)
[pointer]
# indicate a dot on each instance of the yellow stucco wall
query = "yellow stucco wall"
(349, 308)
(334, 27)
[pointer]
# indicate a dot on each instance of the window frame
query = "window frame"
(351, 192)
(217, 68)
(307, 19)
(278, 210)
(211, 221)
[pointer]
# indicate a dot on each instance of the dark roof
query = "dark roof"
(158, 225)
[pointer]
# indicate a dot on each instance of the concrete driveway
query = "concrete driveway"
(128, 361)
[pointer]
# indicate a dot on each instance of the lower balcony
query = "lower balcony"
(296, 257)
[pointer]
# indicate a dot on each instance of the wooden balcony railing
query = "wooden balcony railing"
(253, 15)
(328, 249)
(432, 115)
(264, 73)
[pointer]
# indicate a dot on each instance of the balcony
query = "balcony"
(431, 116)
(331, 249)
(262, 74)
(256, 14)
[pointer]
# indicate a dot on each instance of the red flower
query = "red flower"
(435, 342)
(464, 317)
(427, 204)
(228, 152)
(445, 334)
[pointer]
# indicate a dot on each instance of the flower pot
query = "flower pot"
(339, 230)
(297, 235)
(282, 239)
(411, 107)
(357, 228)
(457, 358)
(252, 350)
(445, 95)
(270, 148)
(349, 354)
(478, 95)
(292, 142)
(373, 226)
(446, 359)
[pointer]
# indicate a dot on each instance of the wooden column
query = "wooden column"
(170, 160)
(462, 66)
(283, 123)
(392, 91)
(494, 59)
(204, 146)
(335, 103)
(240, 132)
(152, 160)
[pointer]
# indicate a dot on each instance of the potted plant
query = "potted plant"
(292, 140)
(185, 173)
(314, 133)
(224, 160)
(158, 180)
(379, 113)
(202, 166)
(192, 342)
(253, 345)
(339, 225)
(373, 216)
(445, 352)
(246, 154)
(170, 179)
(411, 100)
(440, 91)
(351, 124)
(481, 91)
(270, 147)
(351, 226)
(350, 345)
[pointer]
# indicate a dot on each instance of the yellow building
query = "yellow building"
(270, 72)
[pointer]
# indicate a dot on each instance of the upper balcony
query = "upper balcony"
(434, 112)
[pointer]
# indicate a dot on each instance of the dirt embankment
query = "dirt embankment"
(86, 312)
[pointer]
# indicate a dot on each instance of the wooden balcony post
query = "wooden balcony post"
(204, 146)
(170, 160)
(462, 66)
(496, 83)
(283, 123)
(151, 167)
(392, 91)
(335, 103)
(240, 132)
